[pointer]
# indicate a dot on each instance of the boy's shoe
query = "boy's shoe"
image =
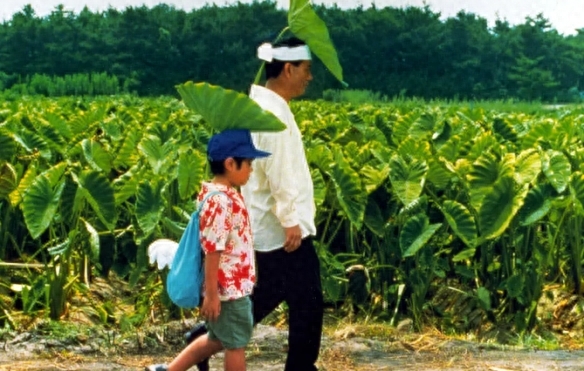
(156, 368)
(199, 330)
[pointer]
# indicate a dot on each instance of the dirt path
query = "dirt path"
(344, 351)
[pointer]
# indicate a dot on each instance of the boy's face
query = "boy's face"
(235, 174)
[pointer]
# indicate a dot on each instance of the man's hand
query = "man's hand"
(293, 238)
(211, 307)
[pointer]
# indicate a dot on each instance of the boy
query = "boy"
(229, 256)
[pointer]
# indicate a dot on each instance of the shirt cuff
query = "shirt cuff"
(290, 220)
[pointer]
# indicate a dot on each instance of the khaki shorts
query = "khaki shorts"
(234, 326)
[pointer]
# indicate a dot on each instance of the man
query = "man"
(279, 197)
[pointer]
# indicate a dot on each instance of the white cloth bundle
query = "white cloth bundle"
(162, 252)
(268, 53)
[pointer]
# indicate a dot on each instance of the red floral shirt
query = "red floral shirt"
(225, 226)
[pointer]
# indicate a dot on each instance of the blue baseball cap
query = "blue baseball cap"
(233, 143)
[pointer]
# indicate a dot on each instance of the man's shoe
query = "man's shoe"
(156, 368)
(199, 330)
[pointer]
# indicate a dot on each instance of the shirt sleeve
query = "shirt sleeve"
(280, 175)
(215, 224)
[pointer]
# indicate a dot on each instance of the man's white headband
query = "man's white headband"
(268, 53)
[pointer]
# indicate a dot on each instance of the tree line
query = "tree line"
(406, 52)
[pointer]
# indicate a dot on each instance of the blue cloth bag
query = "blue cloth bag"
(186, 276)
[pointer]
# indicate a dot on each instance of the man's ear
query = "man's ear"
(287, 69)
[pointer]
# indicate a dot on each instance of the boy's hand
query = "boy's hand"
(293, 238)
(211, 307)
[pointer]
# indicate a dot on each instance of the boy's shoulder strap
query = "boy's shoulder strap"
(212, 193)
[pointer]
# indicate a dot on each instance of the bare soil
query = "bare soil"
(344, 350)
(347, 345)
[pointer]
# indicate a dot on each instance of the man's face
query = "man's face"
(299, 77)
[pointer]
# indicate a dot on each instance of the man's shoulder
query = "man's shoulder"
(271, 102)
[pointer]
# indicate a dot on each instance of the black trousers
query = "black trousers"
(294, 278)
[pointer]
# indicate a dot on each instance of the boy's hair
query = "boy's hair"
(218, 167)
(274, 68)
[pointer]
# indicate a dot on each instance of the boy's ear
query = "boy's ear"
(228, 163)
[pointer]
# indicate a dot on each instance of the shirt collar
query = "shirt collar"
(263, 93)
(211, 187)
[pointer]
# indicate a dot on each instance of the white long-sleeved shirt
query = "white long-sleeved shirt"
(279, 193)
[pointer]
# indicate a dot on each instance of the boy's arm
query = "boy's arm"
(211, 303)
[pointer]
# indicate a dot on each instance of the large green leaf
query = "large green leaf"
(461, 221)
(557, 169)
(321, 156)
(33, 143)
(8, 179)
(191, 172)
(307, 26)
(127, 155)
(488, 169)
(160, 156)
(96, 156)
(25, 182)
(411, 146)
(505, 129)
(499, 207)
(126, 185)
(351, 194)
(374, 177)
(415, 233)
(538, 203)
(319, 186)
(7, 147)
(56, 172)
(485, 172)
(423, 128)
(52, 136)
(99, 193)
(527, 167)
(72, 204)
(227, 109)
(149, 206)
(59, 124)
(374, 219)
(40, 204)
(407, 180)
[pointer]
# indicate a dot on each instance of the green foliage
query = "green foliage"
(307, 25)
(78, 84)
(419, 196)
(90, 53)
(226, 109)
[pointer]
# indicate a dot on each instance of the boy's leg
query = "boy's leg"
(234, 328)
(196, 351)
(305, 302)
(199, 329)
(235, 359)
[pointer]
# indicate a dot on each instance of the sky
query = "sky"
(564, 15)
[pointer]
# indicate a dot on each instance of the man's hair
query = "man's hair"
(275, 67)
(218, 167)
